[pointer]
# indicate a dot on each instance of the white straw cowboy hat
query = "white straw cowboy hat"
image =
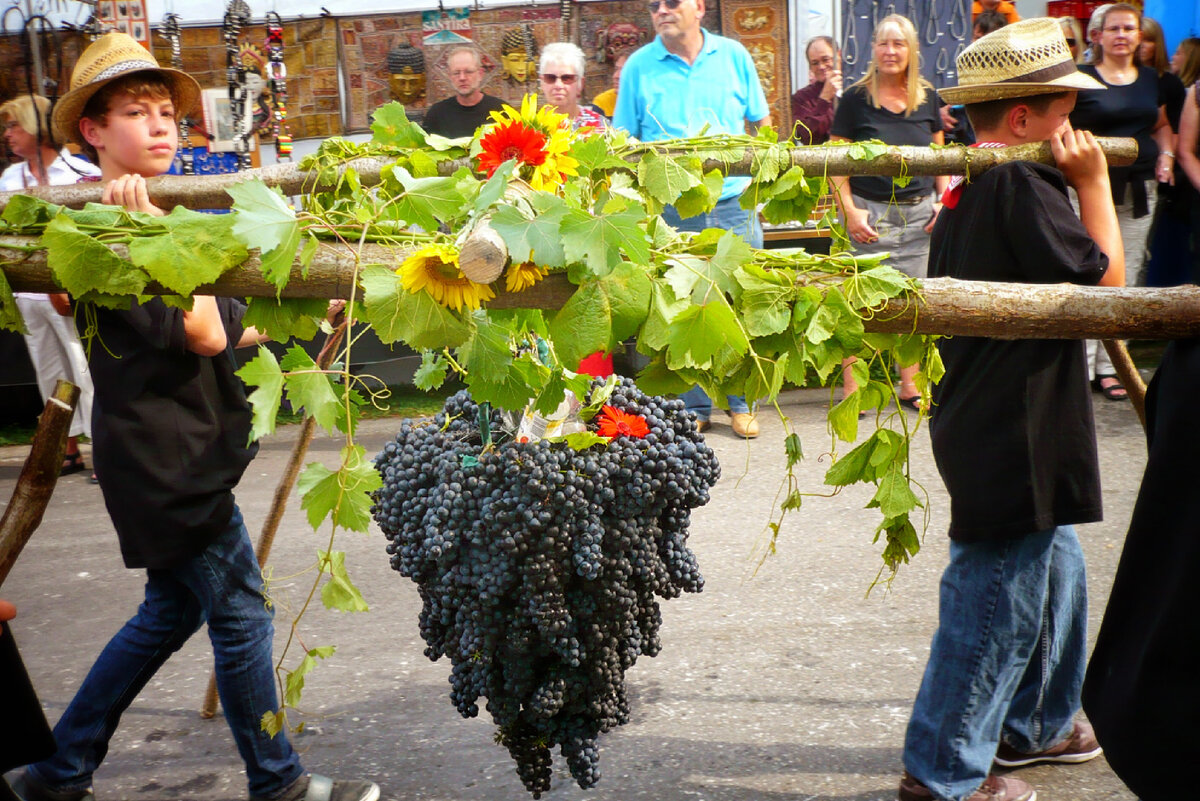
(105, 60)
(1025, 58)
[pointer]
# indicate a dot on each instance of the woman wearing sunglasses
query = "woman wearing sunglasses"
(561, 74)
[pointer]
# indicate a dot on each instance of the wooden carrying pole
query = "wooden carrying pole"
(39, 475)
(208, 191)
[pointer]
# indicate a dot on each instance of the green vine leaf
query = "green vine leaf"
(426, 202)
(700, 332)
(582, 440)
(195, 250)
(10, 314)
(557, 387)
(601, 313)
(538, 239)
(665, 178)
(701, 198)
(486, 355)
(83, 265)
(432, 372)
(395, 313)
(312, 391)
(284, 318)
(264, 373)
(767, 297)
(293, 685)
(390, 126)
(600, 241)
(339, 591)
(263, 220)
(343, 495)
(27, 211)
(522, 380)
(893, 497)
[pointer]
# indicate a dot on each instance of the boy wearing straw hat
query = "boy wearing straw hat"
(1006, 664)
(171, 426)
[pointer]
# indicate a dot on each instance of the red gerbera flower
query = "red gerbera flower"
(511, 140)
(616, 423)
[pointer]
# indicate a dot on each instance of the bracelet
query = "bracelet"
(1167, 153)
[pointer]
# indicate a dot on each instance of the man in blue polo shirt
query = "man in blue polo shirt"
(686, 80)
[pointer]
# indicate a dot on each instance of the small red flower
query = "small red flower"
(616, 423)
(511, 140)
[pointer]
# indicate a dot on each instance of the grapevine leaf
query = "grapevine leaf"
(486, 355)
(765, 378)
(870, 288)
(284, 318)
(263, 220)
(538, 239)
(902, 541)
(100, 215)
(702, 197)
(699, 332)
(664, 178)
(339, 591)
(273, 722)
(196, 249)
(593, 154)
(659, 379)
(82, 264)
(395, 313)
(683, 274)
(844, 417)
(427, 201)
(311, 390)
(599, 397)
(493, 190)
(390, 126)
(663, 309)
(767, 162)
(792, 502)
(344, 494)
(602, 240)
(422, 165)
(307, 252)
(556, 389)
(10, 314)
(432, 372)
(893, 496)
(793, 449)
(766, 302)
(601, 313)
(264, 373)
(294, 684)
(582, 440)
(852, 467)
(522, 381)
(822, 325)
(27, 211)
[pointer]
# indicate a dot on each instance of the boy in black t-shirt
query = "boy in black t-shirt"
(1007, 661)
(171, 422)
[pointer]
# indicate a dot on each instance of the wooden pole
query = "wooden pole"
(208, 191)
(283, 490)
(39, 475)
(1131, 379)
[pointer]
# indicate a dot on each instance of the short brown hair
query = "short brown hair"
(990, 114)
(134, 84)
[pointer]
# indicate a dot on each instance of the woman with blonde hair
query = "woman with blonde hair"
(52, 341)
(893, 103)
(1186, 61)
(1074, 34)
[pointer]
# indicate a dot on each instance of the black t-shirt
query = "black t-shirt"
(857, 120)
(452, 119)
(1012, 430)
(1173, 94)
(1130, 110)
(171, 431)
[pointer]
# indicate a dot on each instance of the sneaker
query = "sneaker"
(745, 424)
(994, 788)
(321, 788)
(27, 788)
(1081, 746)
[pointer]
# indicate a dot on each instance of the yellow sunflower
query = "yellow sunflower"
(522, 276)
(557, 165)
(434, 268)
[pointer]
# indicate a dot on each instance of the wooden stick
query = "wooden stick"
(283, 491)
(38, 477)
(1131, 379)
(208, 191)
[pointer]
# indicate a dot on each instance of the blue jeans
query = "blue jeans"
(730, 216)
(1007, 660)
(222, 585)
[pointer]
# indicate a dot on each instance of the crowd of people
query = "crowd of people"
(1005, 681)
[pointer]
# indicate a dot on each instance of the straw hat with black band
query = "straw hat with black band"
(1030, 57)
(112, 56)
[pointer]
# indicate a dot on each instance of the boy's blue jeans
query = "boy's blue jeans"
(730, 216)
(1007, 660)
(222, 585)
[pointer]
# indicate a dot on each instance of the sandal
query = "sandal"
(72, 463)
(913, 403)
(1114, 391)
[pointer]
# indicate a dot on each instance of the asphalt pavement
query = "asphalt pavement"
(785, 682)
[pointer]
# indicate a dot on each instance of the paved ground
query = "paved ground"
(789, 683)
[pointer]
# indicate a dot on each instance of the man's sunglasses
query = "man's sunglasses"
(550, 77)
(670, 4)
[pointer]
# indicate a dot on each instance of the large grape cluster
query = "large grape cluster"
(539, 567)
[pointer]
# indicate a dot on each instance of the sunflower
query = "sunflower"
(434, 268)
(522, 276)
(538, 138)
(616, 423)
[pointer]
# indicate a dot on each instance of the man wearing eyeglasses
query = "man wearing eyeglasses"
(685, 81)
(469, 108)
(812, 106)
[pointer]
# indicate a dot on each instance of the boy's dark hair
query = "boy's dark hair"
(990, 114)
(988, 22)
(136, 84)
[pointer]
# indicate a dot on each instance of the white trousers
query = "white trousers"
(56, 352)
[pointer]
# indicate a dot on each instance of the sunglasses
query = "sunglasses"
(670, 4)
(551, 78)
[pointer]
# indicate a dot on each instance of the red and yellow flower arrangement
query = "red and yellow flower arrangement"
(537, 138)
